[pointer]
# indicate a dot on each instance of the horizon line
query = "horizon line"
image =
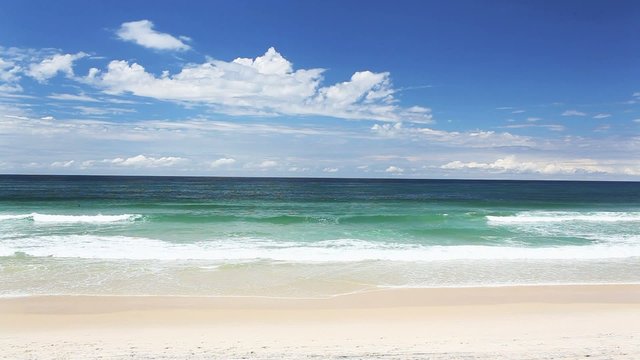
(311, 178)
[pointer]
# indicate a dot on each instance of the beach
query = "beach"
(226, 268)
(319, 180)
(527, 322)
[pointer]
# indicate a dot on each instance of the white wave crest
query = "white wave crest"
(4, 217)
(531, 217)
(343, 250)
(48, 218)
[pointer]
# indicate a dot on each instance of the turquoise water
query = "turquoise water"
(309, 237)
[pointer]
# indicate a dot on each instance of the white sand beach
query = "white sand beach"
(528, 322)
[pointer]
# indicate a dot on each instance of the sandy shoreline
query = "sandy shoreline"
(528, 322)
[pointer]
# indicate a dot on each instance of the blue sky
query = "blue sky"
(414, 89)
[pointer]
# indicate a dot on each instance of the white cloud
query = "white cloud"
(513, 165)
(84, 140)
(330, 170)
(10, 88)
(533, 119)
(17, 124)
(387, 129)
(17, 117)
(73, 97)
(222, 161)
(265, 86)
(271, 62)
(63, 164)
(574, 113)
(477, 138)
(92, 110)
(602, 116)
(394, 170)
(517, 111)
(144, 161)
(9, 71)
(53, 65)
(552, 127)
(142, 33)
(10, 75)
(268, 164)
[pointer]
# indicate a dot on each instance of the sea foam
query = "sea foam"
(342, 250)
(49, 218)
(530, 217)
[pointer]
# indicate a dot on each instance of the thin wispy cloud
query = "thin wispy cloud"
(552, 127)
(512, 164)
(73, 97)
(573, 113)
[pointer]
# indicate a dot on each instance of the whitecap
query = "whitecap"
(51, 218)
(533, 217)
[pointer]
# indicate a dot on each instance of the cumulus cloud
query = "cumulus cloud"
(330, 170)
(513, 165)
(142, 33)
(222, 161)
(394, 170)
(146, 161)
(574, 113)
(265, 85)
(601, 116)
(53, 65)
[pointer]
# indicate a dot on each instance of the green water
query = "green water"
(309, 237)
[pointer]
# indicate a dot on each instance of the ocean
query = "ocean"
(285, 237)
